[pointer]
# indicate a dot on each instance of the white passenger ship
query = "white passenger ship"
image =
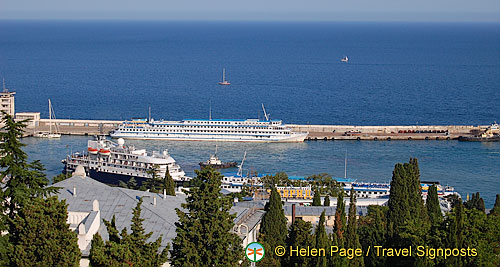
(245, 130)
(111, 162)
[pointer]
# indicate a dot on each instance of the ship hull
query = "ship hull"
(299, 137)
(479, 139)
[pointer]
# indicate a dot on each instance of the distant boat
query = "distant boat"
(50, 133)
(345, 59)
(224, 82)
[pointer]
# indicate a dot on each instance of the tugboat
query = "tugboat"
(492, 134)
(216, 163)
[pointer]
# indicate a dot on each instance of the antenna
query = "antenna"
(265, 114)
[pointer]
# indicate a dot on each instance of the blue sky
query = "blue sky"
(329, 10)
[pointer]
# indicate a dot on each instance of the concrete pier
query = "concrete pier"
(316, 132)
(376, 133)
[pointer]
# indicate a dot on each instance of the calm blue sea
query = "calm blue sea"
(398, 73)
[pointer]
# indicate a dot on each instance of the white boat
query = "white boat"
(111, 162)
(234, 182)
(50, 133)
(244, 130)
(224, 82)
(345, 59)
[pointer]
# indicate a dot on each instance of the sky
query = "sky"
(266, 10)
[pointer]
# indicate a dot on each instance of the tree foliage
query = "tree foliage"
(40, 235)
(321, 241)
(204, 230)
(316, 197)
(168, 184)
(432, 205)
(299, 236)
(273, 229)
(127, 249)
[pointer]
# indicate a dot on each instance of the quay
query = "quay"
(316, 132)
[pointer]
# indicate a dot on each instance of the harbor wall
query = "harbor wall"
(316, 132)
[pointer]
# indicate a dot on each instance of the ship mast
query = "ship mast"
(223, 74)
(50, 118)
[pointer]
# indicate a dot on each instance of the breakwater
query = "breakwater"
(316, 132)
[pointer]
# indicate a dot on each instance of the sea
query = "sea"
(397, 74)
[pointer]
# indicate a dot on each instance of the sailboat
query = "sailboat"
(50, 133)
(224, 82)
(345, 59)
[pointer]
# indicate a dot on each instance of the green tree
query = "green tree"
(299, 236)
(316, 197)
(169, 184)
(433, 207)
(273, 229)
(154, 181)
(22, 180)
(279, 179)
(40, 235)
(476, 202)
(372, 231)
(352, 238)
(496, 207)
(338, 237)
(321, 241)
(326, 201)
(124, 249)
(204, 236)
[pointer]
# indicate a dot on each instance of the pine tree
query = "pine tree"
(316, 197)
(399, 207)
(352, 238)
(321, 241)
(131, 184)
(433, 207)
(204, 236)
(40, 235)
(456, 233)
(169, 184)
(153, 183)
(299, 236)
(273, 229)
(24, 180)
(127, 249)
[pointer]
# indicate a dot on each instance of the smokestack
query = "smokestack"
(293, 213)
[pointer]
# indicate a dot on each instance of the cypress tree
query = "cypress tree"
(340, 219)
(433, 207)
(496, 206)
(372, 230)
(316, 197)
(399, 210)
(204, 230)
(299, 236)
(455, 238)
(127, 249)
(326, 202)
(321, 241)
(169, 184)
(273, 229)
(40, 235)
(352, 238)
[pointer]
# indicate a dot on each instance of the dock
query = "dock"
(316, 132)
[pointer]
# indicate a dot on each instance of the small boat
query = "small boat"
(104, 152)
(216, 163)
(50, 134)
(224, 82)
(345, 59)
(93, 150)
(492, 134)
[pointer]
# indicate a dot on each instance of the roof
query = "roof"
(317, 210)
(159, 219)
